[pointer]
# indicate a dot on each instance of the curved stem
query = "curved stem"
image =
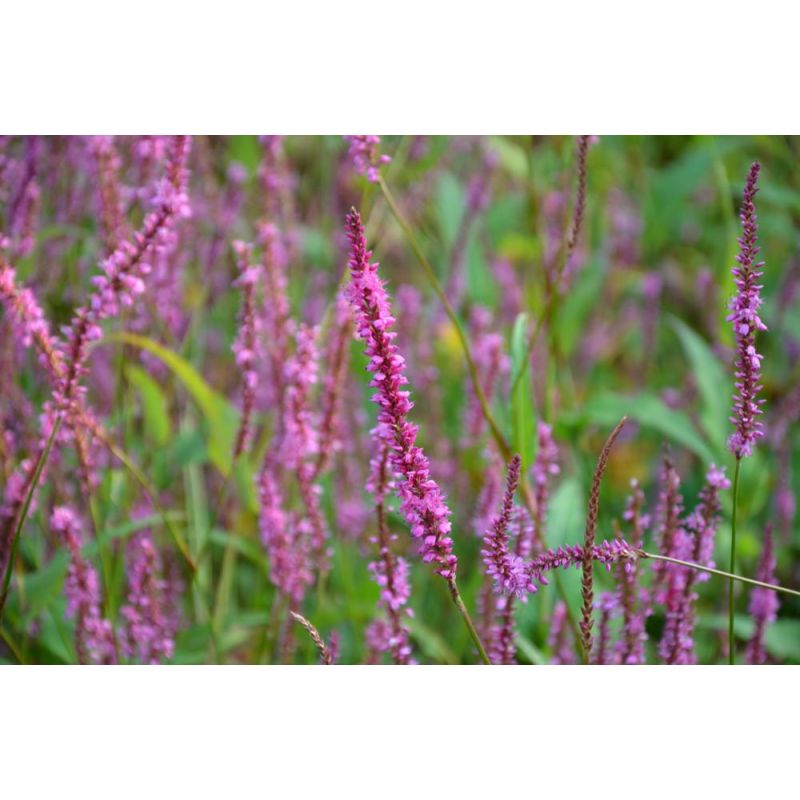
(473, 632)
(731, 641)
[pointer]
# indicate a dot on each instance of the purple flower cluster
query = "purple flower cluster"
(289, 559)
(244, 346)
(94, 637)
(544, 469)
(423, 504)
(692, 541)
(28, 320)
(107, 164)
(150, 632)
(507, 569)
(634, 601)
(300, 435)
(363, 152)
(608, 552)
(746, 322)
(764, 603)
(274, 319)
(124, 271)
(492, 364)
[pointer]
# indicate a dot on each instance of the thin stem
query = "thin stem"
(732, 577)
(505, 449)
(731, 643)
(473, 632)
(24, 511)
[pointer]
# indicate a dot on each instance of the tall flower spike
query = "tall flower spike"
(423, 504)
(587, 590)
(94, 637)
(694, 541)
(746, 322)
(763, 602)
(150, 630)
(390, 573)
(634, 600)
(544, 469)
(244, 347)
(506, 568)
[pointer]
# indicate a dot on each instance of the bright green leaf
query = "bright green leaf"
(154, 404)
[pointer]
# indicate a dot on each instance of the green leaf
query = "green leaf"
(221, 416)
(565, 525)
(431, 642)
(450, 206)
(512, 157)
(650, 412)
(154, 404)
(530, 651)
(566, 516)
(246, 151)
(713, 382)
(247, 547)
(523, 422)
(782, 639)
(42, 587)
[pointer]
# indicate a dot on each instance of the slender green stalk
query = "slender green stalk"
(505, 449)
(24, 511)
(473, 631)
(731, 576)
(731, 641)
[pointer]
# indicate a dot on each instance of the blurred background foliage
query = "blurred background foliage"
(639, 329)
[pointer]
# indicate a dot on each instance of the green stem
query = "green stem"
(502, 444)
(731, 642)
(731, 576)
(473, 632)
(24, 511)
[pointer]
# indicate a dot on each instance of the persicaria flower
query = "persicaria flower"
(364, 154)
(244, 346)
(607, 553)
(764, 603)
(150, 633)
(423, 504)
(506, 568)
(94, 637)
(744, 315)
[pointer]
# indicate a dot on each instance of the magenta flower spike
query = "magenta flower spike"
(423, 504)
(390, 572)
(150, 627)
(244, 346)
(764, 603)
(507, 569)
(367, 160)
(746, 322)
(94, 637)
